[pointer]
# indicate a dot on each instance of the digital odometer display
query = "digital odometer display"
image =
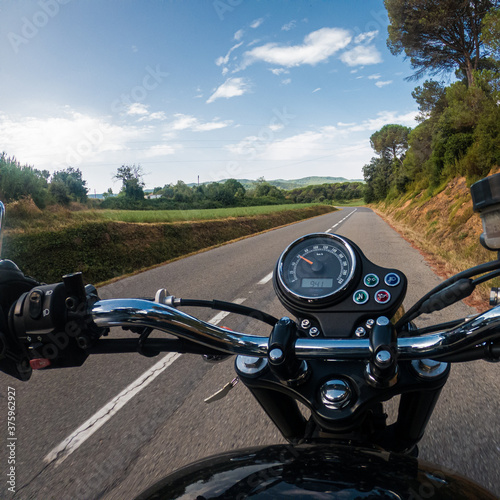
(319, 283)
(316, 266)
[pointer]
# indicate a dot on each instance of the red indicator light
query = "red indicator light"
(39, 363)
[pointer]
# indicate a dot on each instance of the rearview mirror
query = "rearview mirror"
(486, 200)
(2, 217)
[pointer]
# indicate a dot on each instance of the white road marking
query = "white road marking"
(265, 279)
(94, 423)
(78, 437)
(340, 222)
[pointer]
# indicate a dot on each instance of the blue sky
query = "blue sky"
(215, 89)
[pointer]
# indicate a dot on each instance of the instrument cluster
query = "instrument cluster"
(326, 281)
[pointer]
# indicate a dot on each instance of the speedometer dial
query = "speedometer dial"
(316, 267)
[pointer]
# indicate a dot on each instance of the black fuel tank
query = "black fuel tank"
(313, 472)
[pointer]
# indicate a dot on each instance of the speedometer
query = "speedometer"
(316, 267)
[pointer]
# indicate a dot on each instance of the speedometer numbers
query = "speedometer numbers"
(326, 281)
(317, 267)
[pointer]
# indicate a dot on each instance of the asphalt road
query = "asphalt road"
(167, 424)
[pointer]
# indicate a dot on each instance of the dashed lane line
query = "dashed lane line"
(96, 421)
(265, 279)
(340, 222)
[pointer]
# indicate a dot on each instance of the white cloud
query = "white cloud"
(286, 81)
(239, 35)
(279, 71)
(232, 87)
(374, 77)
(255, 24)
(292, 148)
(289, 26)
(222, 60)
(159, 150)
(253, 42)
(276, 126)
(137, 108)
(381, 84)
(316, 90)
(366, 37)
(67, 139)
(384, 118)
(188, 122)
(317, 47)
(158, 115)
(329, 141)
(361, 55)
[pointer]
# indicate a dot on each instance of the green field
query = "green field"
(27, 217)
(107, 248)
(146, 216)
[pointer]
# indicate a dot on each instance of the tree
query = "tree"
(377, 175)
(234, 188)
(439, 35)
(108, 194)
(391, 142)
(131, 177)
(491, 31)
(71, 179)
(430, 97)
(59, 192)
(18, 181)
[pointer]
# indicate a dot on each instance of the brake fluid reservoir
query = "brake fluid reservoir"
(486, 200)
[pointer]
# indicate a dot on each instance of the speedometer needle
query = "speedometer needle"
(307, 260)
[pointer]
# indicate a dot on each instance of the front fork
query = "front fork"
(368, 428)
(345, 398)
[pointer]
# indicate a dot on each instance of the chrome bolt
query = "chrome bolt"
(383, 357)
(360, 332)
(370, 323)
(276, 354)
(428, 365)
(313, 332)
(305, 324)
(382, 321)
(429, 368)
(250, 365)
(335, 394)
(494, 296)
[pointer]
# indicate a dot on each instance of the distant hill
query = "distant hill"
(293, 183)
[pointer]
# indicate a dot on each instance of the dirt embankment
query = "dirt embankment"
(445, 229)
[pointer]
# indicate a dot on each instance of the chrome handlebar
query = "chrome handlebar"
(144, 313)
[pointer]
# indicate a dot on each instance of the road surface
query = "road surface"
(76, 440)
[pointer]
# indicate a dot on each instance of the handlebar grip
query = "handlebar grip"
(52, 323)
(13, 354)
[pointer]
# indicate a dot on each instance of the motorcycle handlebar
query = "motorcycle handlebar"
(143, 313)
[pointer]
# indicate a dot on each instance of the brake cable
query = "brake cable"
(222, 305)
(460, 285)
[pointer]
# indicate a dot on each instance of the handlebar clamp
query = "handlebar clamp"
(382, 369)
